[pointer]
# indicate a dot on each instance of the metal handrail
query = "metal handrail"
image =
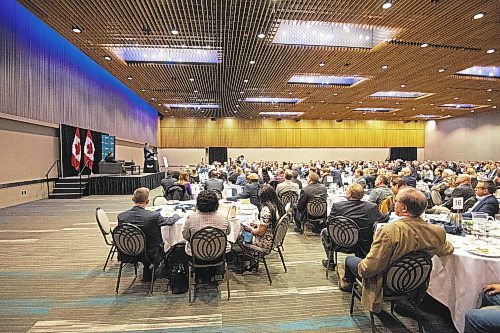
(58, 162)
(86, 165)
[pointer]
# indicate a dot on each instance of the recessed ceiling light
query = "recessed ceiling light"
(488, 89)
(335, 94)
(159, 104)
(413, 109)
(364, 113)
(235, 111)
(490, 51)
(432, 104)
(191, 79)
(387, 4)
(347, 107)
(143, 90)
(441, 70)
(385, 66)
(472, 111)
(245, 81)
(455, 97)
(108, 58)
(76, 29)
(403, 85)
(129, 78)
(195, 91)
(360, 102)
(321, 64)
(237, 105)
(488, 100)
(174, 32)
(241, 92)
(275, 106)
(494, 107)
(478, 16)
(397, 103)
(153, 99)
(289, 93)
(261, 36)
(312, 107)
(252, 62)
(424, 45)
(322, 101)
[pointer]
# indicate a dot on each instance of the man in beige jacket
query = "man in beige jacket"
(392, 241)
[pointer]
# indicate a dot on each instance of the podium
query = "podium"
(151, 166)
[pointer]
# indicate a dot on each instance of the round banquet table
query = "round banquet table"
(246, 213)
(456, 280)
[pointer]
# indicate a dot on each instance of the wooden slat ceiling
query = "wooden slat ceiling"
(457, 41)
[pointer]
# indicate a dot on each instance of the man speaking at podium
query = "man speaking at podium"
(150, 161)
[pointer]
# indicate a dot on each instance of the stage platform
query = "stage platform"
(122, 184)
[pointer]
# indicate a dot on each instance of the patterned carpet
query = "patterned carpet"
(51, 280)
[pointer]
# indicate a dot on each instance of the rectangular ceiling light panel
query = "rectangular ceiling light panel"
(192, 106)
(135, 54)
(383, 110)
(326, 80)
(400, 94)
(459, 106)
(282, 114)
(478, 71)
(334, 34)
(272, 100)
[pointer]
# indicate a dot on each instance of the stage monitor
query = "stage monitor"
(108, 144)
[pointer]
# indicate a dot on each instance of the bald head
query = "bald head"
(412, 200)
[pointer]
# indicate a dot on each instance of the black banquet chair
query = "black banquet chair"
(316, 208)
(407, 278)
(344, 233)
(289, 197)
(105, 227)
(208, 249)
(130, 242)
(277, 244)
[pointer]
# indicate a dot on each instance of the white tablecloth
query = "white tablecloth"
(457, 280)
(173, 234)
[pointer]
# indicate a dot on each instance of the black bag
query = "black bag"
(177, 269)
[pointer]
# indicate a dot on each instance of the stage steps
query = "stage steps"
(69, 188)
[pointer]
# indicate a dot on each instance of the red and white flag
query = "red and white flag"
(89, 151)
(76, 151)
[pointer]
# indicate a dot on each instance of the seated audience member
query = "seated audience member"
(168, 181)
(295, 176)
(371, 178)
(408, 177)
(312, 189)
(487, 318)
(250, 191)
(194, 177)
(271, 212)
(279, 177)
(490, 172)
(391, 242)
(463, 189)
(242, 178)
(184, 181)
(486, 201)
(287, 185)
(358, 178)
(427, 174)
(265, 176)
(364, 213)
(149, 222)
(110, 158)
(381, 190)
(387, 205)
(214, 183)
(206, 215)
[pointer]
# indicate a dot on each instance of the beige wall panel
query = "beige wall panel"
(288, 133)
(129, 152)
(467, 138)
(26, 156)
(21, 194)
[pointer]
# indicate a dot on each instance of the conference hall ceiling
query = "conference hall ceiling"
(307, 59)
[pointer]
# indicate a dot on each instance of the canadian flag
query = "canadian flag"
(89, 151)
(76, 151)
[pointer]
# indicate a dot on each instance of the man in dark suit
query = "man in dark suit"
(149, 222)
(409, 179)
(364, 213)
(214, 183)
(168, 181)
(313, 189)
(486, 201)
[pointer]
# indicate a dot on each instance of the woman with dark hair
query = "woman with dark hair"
(206, 215)
(271, 212)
